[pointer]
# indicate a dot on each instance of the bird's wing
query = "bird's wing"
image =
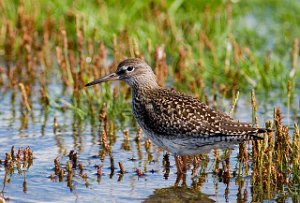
(178, 114)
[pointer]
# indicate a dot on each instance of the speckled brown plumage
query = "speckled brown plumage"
(174, 121)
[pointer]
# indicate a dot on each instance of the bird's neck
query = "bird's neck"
(144, 88)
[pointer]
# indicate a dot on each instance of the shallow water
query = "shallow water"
(36, 130)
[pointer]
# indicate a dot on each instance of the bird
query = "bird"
(174, 121)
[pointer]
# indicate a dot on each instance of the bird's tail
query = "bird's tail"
(264, 130)
(259, 131)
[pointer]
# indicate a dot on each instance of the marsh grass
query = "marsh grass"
(212, 48)
(205, 39)
(20, 161)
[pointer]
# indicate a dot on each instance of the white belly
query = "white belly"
(187, 145)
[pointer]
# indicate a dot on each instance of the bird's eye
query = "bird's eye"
(130, 68)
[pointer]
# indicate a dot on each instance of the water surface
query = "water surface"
(36, 130)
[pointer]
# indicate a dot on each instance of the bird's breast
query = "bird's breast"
(141, 110)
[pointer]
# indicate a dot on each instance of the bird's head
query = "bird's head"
(134, 71)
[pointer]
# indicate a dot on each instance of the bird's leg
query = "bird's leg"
(178, 164)
(184, 163)
(180, 177)
(184, 180)
(181, 163)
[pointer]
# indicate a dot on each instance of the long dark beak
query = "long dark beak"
(112, 76)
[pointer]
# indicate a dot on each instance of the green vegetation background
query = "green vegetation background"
(266, 28)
